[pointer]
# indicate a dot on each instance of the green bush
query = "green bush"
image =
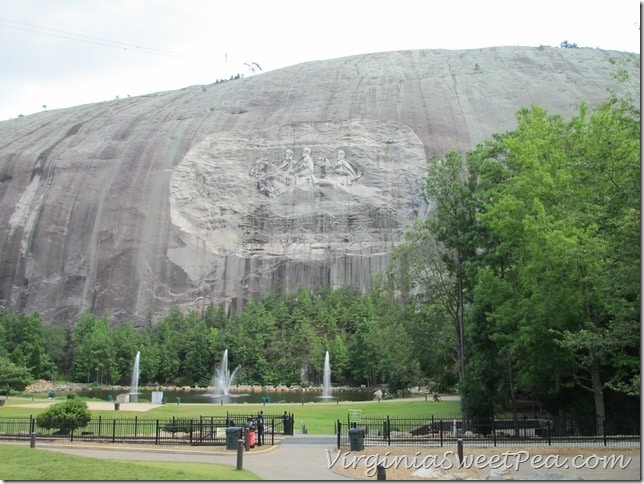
(65, 416)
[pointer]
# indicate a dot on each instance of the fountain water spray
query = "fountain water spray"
(134, 386)
(326, 382)
(223, 379)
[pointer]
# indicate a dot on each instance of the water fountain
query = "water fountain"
(134, 386)
(326, 382)
(223, 379)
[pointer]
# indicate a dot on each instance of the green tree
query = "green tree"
(127, 341)
(566, 218)
(57, 358)
(13, 376)
(24, 338)
(432, 266)
(94, 351)
(198, 361)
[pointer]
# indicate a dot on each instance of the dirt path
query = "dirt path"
(131, 407)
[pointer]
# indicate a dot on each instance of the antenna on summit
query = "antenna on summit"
(226, 54)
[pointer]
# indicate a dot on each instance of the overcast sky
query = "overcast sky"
(63, 53)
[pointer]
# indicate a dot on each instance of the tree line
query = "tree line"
(281, 339)
(523, 284)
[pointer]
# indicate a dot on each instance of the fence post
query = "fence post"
(99, 425)
(156, 436)
(548, 432)
(339, 429)
(32, 423)
(113, 430)
(494, 431)
(441, 431)
(604, 432)
(136, 424)
(388, 431)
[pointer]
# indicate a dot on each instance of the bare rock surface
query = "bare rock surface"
(184, 196)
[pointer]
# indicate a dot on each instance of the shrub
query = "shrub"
(65, 416)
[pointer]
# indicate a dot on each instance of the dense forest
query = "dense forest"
(523, 284)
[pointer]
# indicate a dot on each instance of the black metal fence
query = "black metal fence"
(205, 430)
(439, 432)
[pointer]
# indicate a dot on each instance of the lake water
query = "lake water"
(257, 397)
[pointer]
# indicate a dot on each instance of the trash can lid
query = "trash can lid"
(233, 429)
(356, 431)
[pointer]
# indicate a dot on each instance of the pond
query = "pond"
(256, 397)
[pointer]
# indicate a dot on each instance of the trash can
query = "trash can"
(1, 402)
(251, 435)
(233, 434)
(117, 406)
(288, 425)
(356, 439)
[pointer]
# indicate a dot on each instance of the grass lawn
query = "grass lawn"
(319, 418)
(23, 463)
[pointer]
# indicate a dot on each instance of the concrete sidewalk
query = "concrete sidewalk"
(305, 458)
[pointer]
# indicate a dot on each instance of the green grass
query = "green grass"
(319, 418)
(23, 463)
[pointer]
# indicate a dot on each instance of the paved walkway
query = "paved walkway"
(309, 458)
(301, 458)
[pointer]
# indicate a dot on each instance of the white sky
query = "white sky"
(62, 53)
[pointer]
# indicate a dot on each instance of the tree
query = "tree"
(57, 351)
(432, 263)
(65, 416)
(198, 361)
(13, 376)
(94, 351)
(566, 221)
(127, 341)
(568, 45)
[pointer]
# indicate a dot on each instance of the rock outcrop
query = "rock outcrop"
(307, 175)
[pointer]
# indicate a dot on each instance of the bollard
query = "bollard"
(459, 450)
(247, 440)
(240, 454)
(382, 473)
(32, 444)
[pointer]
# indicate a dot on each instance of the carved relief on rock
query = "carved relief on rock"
(309, 191)
(275, 180)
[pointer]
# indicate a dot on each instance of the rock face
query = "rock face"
(304, 176)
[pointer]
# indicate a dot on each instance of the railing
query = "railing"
(440, 432)
(205, 430)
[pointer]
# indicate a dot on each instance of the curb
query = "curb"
(160, 449)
